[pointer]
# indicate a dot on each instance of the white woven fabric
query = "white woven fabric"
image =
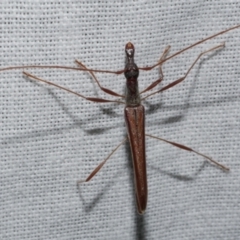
(50, 138)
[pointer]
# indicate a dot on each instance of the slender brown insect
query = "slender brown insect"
(134, 110)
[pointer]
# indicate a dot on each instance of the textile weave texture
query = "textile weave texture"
(50, 139)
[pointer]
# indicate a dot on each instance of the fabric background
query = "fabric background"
(50, 138)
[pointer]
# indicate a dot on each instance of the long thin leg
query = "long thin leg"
(164, 55)
(99, 100)
(95, 171)
(190, 150)
(191, 46)
(183, 78)
(106, 90)
(61, 67)
(122, 71)
(154, 84)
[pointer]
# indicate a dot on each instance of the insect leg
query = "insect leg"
(190, 150)
(155, 83)
(106, 90)
(99, 100)
(184, 77)
(189, 47)
(95, 171)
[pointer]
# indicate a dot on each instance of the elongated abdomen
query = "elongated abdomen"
(135, 121)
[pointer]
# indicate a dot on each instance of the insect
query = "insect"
(134, 111)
